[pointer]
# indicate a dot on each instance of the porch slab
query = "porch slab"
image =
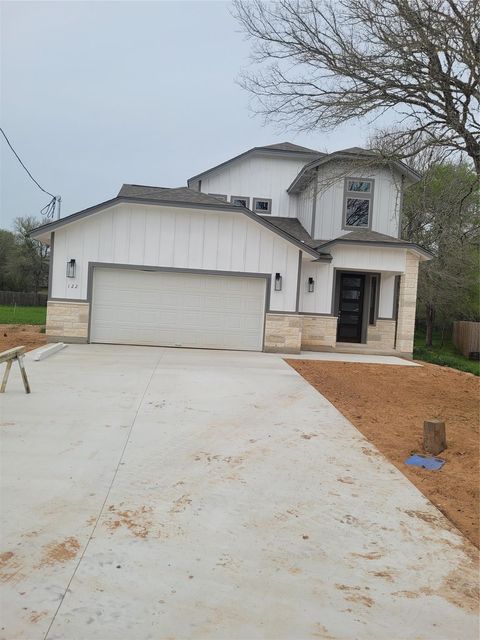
(335, 356)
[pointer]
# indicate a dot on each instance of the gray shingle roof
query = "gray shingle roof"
(294, 227)
(165, 194)
(372, 238)
(357, 150)
(289, 146)
(366, 235)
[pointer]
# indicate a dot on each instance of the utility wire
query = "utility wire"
(20, 161)
(49, 209)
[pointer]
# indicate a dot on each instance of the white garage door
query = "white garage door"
(177, 309)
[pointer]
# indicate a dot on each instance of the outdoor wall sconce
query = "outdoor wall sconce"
(71, 268)
(311, 285)
(278, 282)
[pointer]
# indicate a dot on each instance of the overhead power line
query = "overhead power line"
(49, 209)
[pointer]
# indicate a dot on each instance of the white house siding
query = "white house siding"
(320, 300)
(330, 199)
(363, 257)
(173, 237)
(387, 295)
(304, 204)
(257, 176)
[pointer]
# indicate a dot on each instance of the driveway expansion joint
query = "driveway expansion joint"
(109, 490)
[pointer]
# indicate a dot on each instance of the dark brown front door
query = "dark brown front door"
(350, 307)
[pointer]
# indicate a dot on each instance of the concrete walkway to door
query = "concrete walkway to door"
(153, 493)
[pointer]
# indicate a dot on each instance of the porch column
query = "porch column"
(407, 301)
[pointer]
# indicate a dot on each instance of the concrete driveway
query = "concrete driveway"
(166, 493)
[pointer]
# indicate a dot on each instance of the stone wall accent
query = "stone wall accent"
(319, 332)
(67, 321)
(407, 302)
(283, 333)
(381, 335)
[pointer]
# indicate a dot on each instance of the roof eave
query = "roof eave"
(424, 253)
(80, 215)
(262, 150)
(401, 166)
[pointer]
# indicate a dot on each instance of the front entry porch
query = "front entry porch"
(362, 302)
(356, 304)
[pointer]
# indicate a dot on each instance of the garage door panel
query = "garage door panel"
(177, 309)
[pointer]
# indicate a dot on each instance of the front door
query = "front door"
(350, 307)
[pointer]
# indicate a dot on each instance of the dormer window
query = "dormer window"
(262, 205)
(240, 201)
(358, 202)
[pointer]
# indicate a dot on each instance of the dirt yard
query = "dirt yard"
(16, 335)
(388, 404)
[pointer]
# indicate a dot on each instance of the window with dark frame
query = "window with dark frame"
(358, 203)
(373, 299)
(262, 205)
(240, 201)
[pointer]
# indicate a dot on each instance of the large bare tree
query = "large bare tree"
(323, 63)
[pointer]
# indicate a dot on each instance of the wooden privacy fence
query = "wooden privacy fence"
(23, 299)
(466, 337)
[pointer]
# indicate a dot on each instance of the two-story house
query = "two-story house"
(281, 248)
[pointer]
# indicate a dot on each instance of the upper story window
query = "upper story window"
(262, 205)
(240, 201)
(358, 203)
(220, 196)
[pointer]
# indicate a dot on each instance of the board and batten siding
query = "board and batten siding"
(330, 200)
(258, 176)
(304, 202)
(320, 299)
(159, 236)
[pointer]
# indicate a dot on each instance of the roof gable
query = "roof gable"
(281, 149)
(176, 197)
(355, 154)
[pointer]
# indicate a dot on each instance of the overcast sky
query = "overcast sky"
(94, 94)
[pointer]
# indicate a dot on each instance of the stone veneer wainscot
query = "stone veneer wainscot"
(283, 333)
(67, 321)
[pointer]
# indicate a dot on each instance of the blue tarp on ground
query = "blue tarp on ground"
(426, 462)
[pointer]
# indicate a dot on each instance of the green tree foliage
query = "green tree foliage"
(442, 213)
(23, 260)
(7, 251)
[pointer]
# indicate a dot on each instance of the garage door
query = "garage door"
(177, 309)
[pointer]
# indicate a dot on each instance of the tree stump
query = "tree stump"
(434, 439)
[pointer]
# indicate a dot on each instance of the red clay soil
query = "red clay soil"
(389, 404)
(17, 335)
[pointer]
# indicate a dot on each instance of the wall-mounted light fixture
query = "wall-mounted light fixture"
(71, 268)
(278, 282)
(311, 285)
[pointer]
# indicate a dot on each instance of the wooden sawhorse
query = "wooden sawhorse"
(9, 356)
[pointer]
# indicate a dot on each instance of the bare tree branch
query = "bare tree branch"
(323, 63)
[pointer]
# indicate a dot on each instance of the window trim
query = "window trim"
(376, 301)
(246, 198)
(220, 196)
(262, 213)
(360, 195)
